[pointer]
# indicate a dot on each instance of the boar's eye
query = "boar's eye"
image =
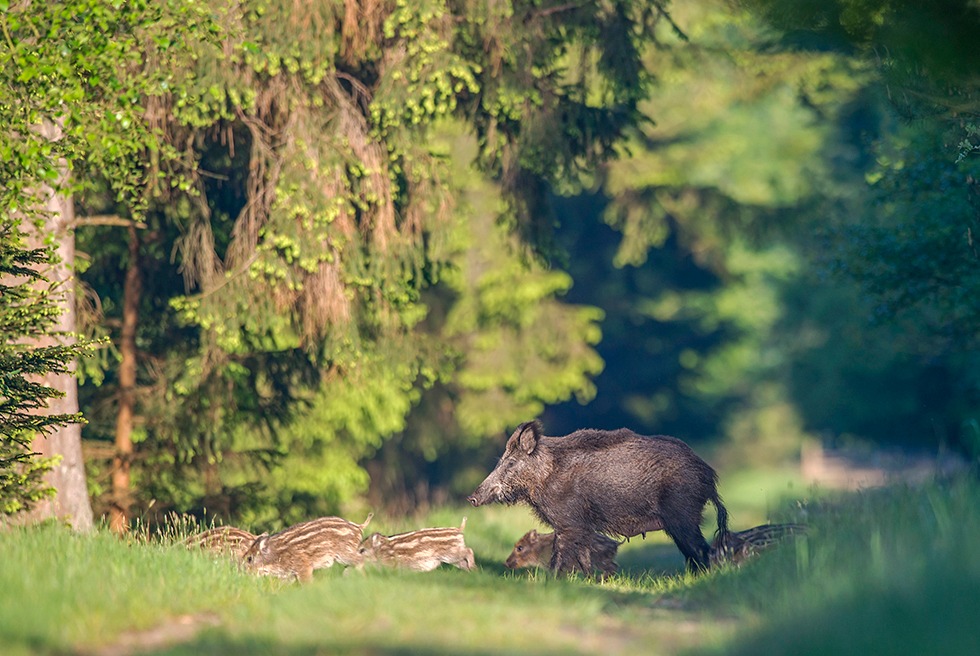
(519, 549)
(248, 559)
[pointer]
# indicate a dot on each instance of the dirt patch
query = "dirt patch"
(658, 630)
(174, 631)
(859, 467)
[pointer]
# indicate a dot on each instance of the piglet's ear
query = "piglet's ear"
(529, 433)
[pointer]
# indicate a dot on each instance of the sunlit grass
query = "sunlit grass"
(61, 589)
(888, 571)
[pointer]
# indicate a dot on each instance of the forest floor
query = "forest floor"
(890, 570)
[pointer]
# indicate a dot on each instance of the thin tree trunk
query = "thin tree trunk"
(121, 498)
(71, 501)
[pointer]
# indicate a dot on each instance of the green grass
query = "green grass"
(61, 590)
(894, 571)
(887, 571)
(751, 495)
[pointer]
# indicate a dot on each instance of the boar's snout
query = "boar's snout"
(483, 495)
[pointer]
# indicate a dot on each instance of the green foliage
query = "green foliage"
(28, 310)
(755, 144)
(906, 237)
(78, 80)
(344, 422)
(913, 249)
(71, 93)
(508, 343)
(331, 275)
(911, 246)
(694, 307)
(908, 250)
(737, 220)
(347, 192)
(90, 68)
(521, 348)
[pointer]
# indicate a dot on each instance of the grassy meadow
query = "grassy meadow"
(893, 571)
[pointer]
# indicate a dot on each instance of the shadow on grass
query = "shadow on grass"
(634, 560)
(650, 559)
(492, 566)
(216, 644)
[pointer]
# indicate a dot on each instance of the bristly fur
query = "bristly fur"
(224, 540)
(616, 483)
(743, 545)
(535, 550)
(422, 550)
(300, 549)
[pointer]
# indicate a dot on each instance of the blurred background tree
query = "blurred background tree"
(705, 216)
(825, 231)
(905, 238)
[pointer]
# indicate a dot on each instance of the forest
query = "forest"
(268, 259)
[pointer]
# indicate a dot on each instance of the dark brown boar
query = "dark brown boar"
(617, 483)
(535, 549)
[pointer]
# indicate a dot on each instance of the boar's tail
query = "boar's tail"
(723, 537)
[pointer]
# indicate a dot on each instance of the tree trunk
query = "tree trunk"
(71, 501)
(121, 499)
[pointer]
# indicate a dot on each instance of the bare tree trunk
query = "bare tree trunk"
(121, 500)
(71, 501)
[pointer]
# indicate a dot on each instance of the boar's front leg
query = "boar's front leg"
(572, 552)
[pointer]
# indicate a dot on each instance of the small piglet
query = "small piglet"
(743, 545)
(300, 549)
(535, 550)
(223, 540)
(422, 550)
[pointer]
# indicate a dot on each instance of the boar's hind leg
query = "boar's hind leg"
(692, 544)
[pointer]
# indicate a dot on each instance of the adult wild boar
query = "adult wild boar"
(613, 482)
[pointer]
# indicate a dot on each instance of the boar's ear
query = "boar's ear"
(528, 434)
